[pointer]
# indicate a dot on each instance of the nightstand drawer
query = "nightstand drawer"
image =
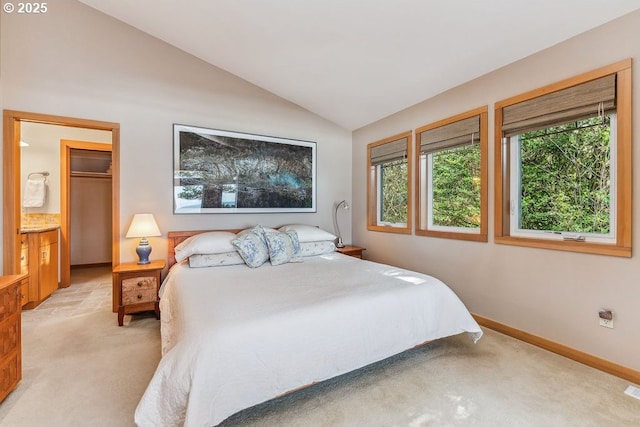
(139, 295)
(138, 283)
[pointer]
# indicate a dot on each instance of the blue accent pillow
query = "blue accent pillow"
(283, 247)
(252, 247)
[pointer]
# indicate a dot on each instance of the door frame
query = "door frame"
(66, 145)
(11, 183)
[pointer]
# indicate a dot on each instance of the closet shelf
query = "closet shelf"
(91, 174)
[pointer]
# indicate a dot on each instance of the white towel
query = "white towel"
(34, 193)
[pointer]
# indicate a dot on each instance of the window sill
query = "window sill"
(389, 229)
(569, 246)
(474, 237)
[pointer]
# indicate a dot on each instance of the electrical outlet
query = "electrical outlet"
(607, 323)
(633, 391)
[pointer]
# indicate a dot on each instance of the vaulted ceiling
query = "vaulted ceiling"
(356, 61)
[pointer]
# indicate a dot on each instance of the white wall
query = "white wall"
(74, 61)
(552, 294)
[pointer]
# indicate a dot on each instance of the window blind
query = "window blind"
(389, 152)
(456, 134)
(574, 103)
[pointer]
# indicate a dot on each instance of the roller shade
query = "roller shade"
(574, 103)
(457, 134)
(389, 152)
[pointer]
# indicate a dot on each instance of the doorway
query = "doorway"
(12, 121)
(85, 203)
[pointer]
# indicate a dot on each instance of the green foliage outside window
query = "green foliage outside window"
(394, 197)
(565, 181)
(565, 177)
(456, 187)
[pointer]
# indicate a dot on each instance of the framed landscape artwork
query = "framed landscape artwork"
(218, 171)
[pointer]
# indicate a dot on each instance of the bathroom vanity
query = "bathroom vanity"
(39, 259)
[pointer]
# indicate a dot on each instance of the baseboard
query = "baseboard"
(568, 352)
(98, 264)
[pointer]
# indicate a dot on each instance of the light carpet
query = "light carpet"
(81, 369)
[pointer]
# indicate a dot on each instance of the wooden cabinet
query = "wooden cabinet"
(24, 291)
(39, 258)
(24, 267)
(136, 287)
(10, 333)
(24, 253)
(48, 263)
(354, 251)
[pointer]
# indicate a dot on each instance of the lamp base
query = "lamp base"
(339, 244)
(143, 250)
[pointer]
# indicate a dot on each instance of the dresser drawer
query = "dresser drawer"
(135, 283)
(9, 336)
(10, 374)
(10, 333)
(9, 298)
(136, 296)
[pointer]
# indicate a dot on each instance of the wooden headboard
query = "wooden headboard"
(176, 237)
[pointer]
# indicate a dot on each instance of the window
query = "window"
(564, 156)
(452, 177)
(564, 181)
(388, 185)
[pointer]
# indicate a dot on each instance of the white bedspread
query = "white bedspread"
(234, 336)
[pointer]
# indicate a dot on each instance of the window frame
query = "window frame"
(623, 168)
(516, 209)
(422, 183)
(373, 188)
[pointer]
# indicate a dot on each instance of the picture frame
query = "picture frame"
(220, 171)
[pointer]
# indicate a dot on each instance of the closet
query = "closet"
(90, 207)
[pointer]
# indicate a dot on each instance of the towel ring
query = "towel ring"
(44, 175)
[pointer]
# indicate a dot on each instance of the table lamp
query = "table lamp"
(143, 226)
(343, 204)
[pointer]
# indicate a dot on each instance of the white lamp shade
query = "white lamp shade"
(143, 225)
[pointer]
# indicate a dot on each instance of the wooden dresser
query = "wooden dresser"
(10, 332)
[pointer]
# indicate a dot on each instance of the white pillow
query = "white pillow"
(316, 248)
(215, 260)
(212, 242)
(308, 233)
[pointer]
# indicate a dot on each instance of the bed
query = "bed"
(234, 336)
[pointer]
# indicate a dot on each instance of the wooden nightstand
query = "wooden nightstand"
(354, 251)
(136, 287)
